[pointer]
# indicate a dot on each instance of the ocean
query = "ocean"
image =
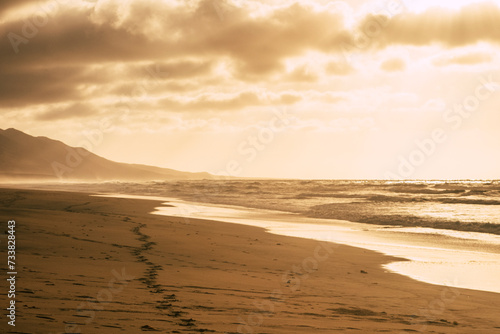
(462, 205)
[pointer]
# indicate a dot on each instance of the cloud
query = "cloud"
(471, 24)
(31, 84)
(287, 99)
(256, 45)
(303, 74)
(464, 59)
(393, 65)
(339, 68)
(71, 38)
(108, 47)
(177, 69)
(228, 103)
(50, 62)
(75, 110)
(6, 5)
(25, 86)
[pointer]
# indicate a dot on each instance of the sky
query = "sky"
(397, 89)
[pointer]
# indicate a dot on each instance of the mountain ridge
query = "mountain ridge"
(23, 156)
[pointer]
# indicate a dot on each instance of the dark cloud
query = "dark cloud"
(469, 25)
(72, 38)
(179, 69)
(75, 110)
(155, 88)
(26, 86)
(22, 86)
(256, 45)
(6, 5)
(240, 101)
(51, 57)
(58, 54)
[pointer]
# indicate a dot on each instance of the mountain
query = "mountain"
(24, 157)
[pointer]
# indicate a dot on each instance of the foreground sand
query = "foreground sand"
(105, 265)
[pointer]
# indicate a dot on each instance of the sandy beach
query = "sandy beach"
(106, 265)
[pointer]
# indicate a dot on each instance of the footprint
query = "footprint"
(147, 328)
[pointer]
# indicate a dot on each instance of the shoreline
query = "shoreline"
(430, 256)
(206, 276)
(310, 211)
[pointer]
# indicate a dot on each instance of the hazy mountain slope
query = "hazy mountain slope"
(26, 157)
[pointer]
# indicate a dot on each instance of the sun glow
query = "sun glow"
(422, 5)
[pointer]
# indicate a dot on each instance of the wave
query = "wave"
(371, 213)
(469, 205)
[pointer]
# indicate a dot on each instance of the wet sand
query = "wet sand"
(468, 260)
(106, 265)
